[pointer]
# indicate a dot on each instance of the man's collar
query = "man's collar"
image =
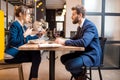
(83, 20)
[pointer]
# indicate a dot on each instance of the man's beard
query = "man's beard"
(75, 21)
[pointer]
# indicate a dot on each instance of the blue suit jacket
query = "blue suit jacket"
(16, 38)
(89, 39)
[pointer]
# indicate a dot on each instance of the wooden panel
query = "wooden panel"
(16, 2)
(2, 44)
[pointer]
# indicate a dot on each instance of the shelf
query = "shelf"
(20, 2)
(30, 5)
(16, 2)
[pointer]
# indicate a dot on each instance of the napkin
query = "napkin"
(36, 41)
(50, 45)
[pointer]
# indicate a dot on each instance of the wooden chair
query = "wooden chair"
(11, 66)
(4, 65)
(89, 75)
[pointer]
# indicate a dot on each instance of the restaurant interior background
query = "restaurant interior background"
(104, 13)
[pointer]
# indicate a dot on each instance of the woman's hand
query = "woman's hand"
(28, 32)
(42, 32)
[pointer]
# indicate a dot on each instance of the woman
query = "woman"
(19, 35)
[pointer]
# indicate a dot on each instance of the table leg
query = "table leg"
(52, 65)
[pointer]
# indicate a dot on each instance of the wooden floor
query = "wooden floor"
(61, 73)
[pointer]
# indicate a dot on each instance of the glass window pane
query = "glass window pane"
(112, 6)
(93, 5)
(111, 55)
(5, 22)
(97, 21)
(59, 18)
(59, 26)
(112, 27)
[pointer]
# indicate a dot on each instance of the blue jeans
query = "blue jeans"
(73, 63)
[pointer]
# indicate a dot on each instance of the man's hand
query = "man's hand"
(60, 41)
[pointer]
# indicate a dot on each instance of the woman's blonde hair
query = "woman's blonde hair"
(20, 9)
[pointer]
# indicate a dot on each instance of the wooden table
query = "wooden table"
(51, 55)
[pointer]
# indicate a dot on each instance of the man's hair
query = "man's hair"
(79, 9)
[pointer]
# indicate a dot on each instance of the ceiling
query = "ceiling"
(55, 4)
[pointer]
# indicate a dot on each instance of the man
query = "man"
(87, 37)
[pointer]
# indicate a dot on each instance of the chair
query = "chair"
(102, 44)
(11, 66)
(4, 65)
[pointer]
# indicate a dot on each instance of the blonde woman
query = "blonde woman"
(19, 35)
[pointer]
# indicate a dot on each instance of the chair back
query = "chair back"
(102, 45)
(2, 36)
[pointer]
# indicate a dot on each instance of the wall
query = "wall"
(69, 25)
(50, 18)
(41, 10)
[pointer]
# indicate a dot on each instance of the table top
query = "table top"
(62, 48)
